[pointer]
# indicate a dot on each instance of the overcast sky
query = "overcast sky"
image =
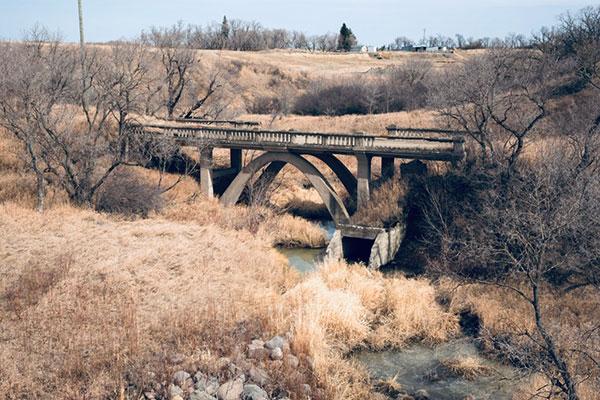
(374, 22)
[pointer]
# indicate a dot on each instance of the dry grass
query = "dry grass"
(292, 231)
(385, 208)
(372, 124)
(342, 307)
(469, 368)
(9, 150)
(88, 300)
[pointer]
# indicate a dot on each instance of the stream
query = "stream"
(303, 259)
(419, 366)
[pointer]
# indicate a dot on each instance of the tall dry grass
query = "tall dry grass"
(385, 207)
(91, 304)
(341, 307)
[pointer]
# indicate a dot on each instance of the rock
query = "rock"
(305, 390)
(177, 397)
(253, 392)
(231, 390)
(150, 395)
(257, 352)
(189, 386)
(469, 397)
(276, 353)
(258, 342)
(276, 342)
(421, 394)
(174, 390)
(201, 395)
(180, 377)
(291, 361)
(259, 376)
(235, 370)
(213, 387)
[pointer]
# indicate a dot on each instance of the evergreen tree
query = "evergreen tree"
(225, 28)
(224, 38)
(346, 39)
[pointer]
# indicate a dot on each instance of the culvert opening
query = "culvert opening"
(357, 249)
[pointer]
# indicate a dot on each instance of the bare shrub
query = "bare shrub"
(385, 208)
(333, 99)
(127, 194)
(265, 105)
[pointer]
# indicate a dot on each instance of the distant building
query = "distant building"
(435, 49)
(361, 48)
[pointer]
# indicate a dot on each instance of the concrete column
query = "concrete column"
(364, 177)
(206, 171)
(387, 167)
(235, 157)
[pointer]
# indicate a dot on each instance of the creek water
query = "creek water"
(418, 366)
(304, 260)
(421, 367)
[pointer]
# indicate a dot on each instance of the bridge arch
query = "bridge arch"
(339, 169)
(278, 159)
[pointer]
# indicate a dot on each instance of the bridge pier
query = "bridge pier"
(206, 171)
(363, 194)
(387, 167)
(235, 157)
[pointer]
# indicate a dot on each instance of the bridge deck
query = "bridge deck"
(422, 146)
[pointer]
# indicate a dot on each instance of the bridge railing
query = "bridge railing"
(349, 142)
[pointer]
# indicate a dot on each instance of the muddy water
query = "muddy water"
(305, 259)
(420, 367)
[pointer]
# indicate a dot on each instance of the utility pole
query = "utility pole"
(83, 58)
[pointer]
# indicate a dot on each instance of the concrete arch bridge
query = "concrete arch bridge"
(290, 147)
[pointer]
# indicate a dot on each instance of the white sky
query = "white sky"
(374, 22)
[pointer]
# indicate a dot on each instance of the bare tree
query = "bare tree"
(35, 77)
(535, 234)
(177, 61)
(74, 136)
(497, 99)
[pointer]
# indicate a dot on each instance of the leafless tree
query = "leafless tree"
(400, 42)
(35, 77)
(498, 99)
(74, 136)
(176, 59)
(535, 234)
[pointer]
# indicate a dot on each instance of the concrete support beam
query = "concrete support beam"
(235, 157)
(363, 180)
(206, 171)
(387, 167)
